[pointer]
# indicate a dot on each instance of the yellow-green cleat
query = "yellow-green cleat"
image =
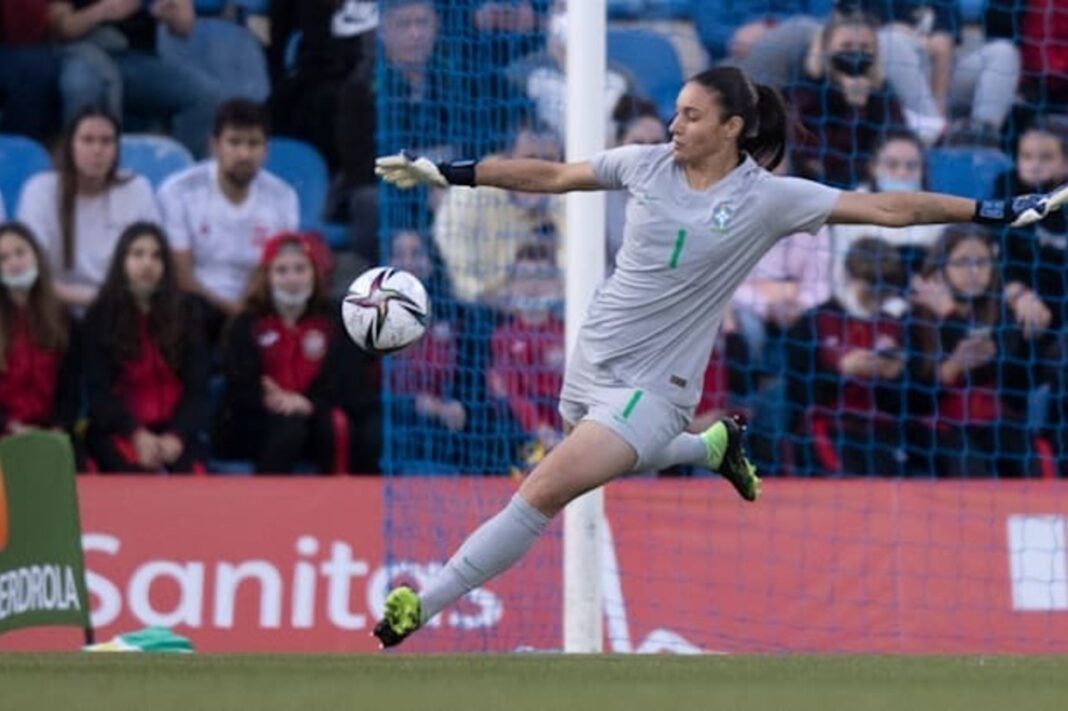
(402, 617)
(726, 454)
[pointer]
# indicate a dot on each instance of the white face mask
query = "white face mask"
(20, 282)
(289, 299)
(888, 184)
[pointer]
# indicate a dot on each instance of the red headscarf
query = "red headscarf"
(311, 243)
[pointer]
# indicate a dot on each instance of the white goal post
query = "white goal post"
(585, 256)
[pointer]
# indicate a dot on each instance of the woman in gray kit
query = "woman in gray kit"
(703, 210)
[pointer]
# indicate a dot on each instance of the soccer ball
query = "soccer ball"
(385, 310)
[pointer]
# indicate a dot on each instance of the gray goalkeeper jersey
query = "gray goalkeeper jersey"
(654, 321)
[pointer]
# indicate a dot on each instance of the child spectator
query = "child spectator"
(295, 387)
(79, 211)
(145, 362)
(1037, 256)
(842, 102)
(897, 165)
(528, 349)
(38, 356)
(220, 212)
(976, 355)
(847, 360)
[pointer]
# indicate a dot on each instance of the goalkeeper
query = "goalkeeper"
(703, 210)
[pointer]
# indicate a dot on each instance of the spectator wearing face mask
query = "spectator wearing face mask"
(39, 385)
(843, 104)
(937, 76)
(897, 165)
(295, 383)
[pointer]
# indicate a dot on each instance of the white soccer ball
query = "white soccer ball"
(385, 310)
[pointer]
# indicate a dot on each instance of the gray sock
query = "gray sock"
(685, 449)
(493, 548)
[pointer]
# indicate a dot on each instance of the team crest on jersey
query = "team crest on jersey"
(313, 344)
(722, 215)
(269, 338)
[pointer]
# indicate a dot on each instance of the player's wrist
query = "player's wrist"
(993, 212)
(459, 172)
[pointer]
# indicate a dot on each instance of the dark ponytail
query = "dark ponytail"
(760, 107)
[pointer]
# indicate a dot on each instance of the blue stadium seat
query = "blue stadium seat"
(717, 21)
(966, 172)
(154, 157)
(652, 62)
(209, 7)
(300, 165)
(972, 10)
(253, 7)
(20, 158)
(227, 52)
(650, 9)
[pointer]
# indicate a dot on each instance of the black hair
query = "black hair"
(629, 109)
(759, 106)
(241, 113)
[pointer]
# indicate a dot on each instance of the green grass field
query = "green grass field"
(117, 682)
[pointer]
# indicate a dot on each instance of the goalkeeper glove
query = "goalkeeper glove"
(1021, 210)
(406, 170)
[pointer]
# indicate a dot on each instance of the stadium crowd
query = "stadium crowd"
(184, 320)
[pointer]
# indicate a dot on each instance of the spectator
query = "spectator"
(220, 212)
(847, 361)
(528, 349)
(842, 103)
(478, 231)
(115, 41)
(146, 365)
(767, 40)
(897, 165)
(38, 355)
(935, 75)
(291, 371)
(541, 76)
(415, 85)
(79, 212)
(336, 49)
(975, 352)
(29, 71)
(637, 123)
(428, 419)
(1037, 257)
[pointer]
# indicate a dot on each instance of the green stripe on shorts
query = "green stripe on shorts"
(680, 239)
(632, 403)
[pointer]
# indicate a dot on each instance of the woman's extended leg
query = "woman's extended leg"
(591, 456)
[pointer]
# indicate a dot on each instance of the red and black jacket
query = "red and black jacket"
(126, 394)
(994, 391)
(313, 357)
(816, 345)
(38, 387)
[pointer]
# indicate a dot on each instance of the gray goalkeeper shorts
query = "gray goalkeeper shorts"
(646, 421)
